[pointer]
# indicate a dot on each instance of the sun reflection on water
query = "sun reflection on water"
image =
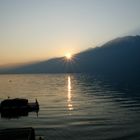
(70, 106)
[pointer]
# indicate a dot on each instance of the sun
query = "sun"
(68, 56)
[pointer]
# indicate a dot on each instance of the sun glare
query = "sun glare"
(68, 56)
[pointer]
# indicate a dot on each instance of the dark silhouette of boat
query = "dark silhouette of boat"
(17, 133)
(27, 133)
(14, 108)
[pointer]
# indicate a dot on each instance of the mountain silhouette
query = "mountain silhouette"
(118, 59)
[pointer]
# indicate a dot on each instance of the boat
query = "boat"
(27, 133)
(14, 108)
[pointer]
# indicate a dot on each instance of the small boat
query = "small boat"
(17, 107)
(19, 134)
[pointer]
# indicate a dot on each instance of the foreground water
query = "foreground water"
(74, 107)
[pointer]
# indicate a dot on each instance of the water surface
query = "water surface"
(74, 106)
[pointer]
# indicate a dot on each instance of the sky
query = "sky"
(35, 30)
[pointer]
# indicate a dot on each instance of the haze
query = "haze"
(34, 30)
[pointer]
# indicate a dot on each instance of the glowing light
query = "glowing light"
(68, 56)
(70, 106)
(69, 88)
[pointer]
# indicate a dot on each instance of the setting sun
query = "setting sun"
(68, 56)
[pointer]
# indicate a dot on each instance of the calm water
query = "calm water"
(74, 107)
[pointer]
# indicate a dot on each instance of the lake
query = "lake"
(74, 107)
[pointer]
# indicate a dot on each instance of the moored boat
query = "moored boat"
(17, 106)
(27, 133)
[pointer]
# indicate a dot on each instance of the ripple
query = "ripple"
(100, 110)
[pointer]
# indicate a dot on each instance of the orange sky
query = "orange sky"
(39, 30)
